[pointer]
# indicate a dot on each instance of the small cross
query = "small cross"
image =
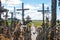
(6, 16)
(22, 12)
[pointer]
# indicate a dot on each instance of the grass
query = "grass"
(37, 22)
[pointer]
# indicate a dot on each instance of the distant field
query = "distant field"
(37, 22)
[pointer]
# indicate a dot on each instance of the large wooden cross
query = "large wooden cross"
(43, 24)
(53, 18)
(22, 13)
(43, 11)
(1, 10)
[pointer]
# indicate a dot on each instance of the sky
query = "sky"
(32, 5)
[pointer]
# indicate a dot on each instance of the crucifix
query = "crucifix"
(1, 11)
(22, 13)
(43, 24)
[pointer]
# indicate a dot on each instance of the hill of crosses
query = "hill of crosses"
(29, 20)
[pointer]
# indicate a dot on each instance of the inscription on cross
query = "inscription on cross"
(22, 12)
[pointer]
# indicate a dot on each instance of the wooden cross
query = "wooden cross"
(43, 11)
(22, 12)
(12, 21)
(1, 10)
(43, 24)
(6, 15)
(53, 19)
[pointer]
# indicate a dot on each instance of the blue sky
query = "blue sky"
(33, 6)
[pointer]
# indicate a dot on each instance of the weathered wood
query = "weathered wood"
(53, 20)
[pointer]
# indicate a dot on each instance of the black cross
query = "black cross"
(43, 11)
(22, 13)
(1, 10)
(43, 24)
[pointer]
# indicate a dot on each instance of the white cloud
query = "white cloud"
(32, 12)
(11, 2)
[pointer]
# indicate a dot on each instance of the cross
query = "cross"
(53, 18)
(1, 11)
(22, 13)
(43, 24)
(43, 11)
(12, 21)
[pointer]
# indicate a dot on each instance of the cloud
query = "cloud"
(11, 2)
(32, 12)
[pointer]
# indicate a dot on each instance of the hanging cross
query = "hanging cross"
(22, 13)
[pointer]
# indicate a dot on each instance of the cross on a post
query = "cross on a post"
(12, 21)
(43, 11)
(53, 18)
(43, 24)
(1, 10)
(22, 13)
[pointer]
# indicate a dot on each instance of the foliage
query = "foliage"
(37, 22)
(58, 21)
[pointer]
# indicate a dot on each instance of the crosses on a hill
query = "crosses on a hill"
(22, 12)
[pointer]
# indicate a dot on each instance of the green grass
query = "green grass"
(37, 22)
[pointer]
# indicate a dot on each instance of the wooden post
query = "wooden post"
(6, 23)
(53, 20)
